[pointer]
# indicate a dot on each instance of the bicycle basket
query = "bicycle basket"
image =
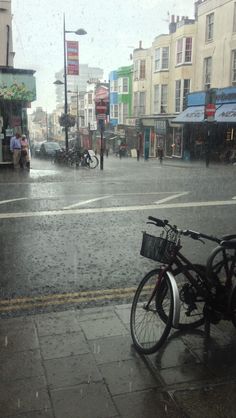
(157, 248)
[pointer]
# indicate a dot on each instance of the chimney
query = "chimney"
(140, 44)
(177, 19)
(172, 25)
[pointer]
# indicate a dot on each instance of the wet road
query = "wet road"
(67, 233)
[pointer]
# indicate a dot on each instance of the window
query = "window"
(207, 72)
(114, 111)
(161, 59)
(177, 95)
(234, 18)
(123, 85)
(233, 77)
(188, 50)
(139, 103)
(179, 57)
(165, 58)
(184, 51)
(157, 59)
(90, 98)
(114, 86)
(123, 112)
(164, 98)
(156, 98)
(160, 98)
(209, 27)
(142, 69)
(90, 115)
(186, 92)
(136, 63)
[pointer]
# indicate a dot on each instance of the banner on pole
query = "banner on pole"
(72, 57)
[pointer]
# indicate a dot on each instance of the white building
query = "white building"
(6, 51)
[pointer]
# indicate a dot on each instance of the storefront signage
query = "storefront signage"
(130, 121)
(9, 132)
(226, 95)
(20, 87)
(160, 127)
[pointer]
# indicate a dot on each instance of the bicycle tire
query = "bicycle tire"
(189, 318)
(92, 161)
(220, 263)
(148, 330)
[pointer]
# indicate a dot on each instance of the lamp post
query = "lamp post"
(58, 82)
(76, 94)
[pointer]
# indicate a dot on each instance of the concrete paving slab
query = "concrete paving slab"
(72, 371)
(84, 401)
(35, 414)
(147, 404)
(105, 327)
(127, 376)
(95, 313)
(123, 312)
(221, 362)
(213, 402)
(106, 350)
(57, 323)
(63, 345)
(23, 395)
(21, 365)
(14, 339)
(185, 373)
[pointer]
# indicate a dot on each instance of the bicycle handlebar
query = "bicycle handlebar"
(187, 232)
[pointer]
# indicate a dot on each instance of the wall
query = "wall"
(5, 21)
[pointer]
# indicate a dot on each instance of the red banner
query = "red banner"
(72, 57)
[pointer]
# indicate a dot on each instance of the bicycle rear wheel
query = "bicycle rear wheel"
(92, 161)
(148, 330)
(221, 265)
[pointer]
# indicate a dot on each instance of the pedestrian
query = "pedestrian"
(160, 154)
(24, 159)
(15, 148)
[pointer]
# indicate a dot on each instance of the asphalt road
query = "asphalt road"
(66, 231)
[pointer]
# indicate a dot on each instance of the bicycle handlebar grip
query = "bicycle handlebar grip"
(158, 222)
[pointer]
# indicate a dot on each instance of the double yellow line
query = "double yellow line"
(28, 303)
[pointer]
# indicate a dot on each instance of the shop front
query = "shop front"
(196, 128)
(17, 91)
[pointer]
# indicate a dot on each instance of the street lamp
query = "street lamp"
(58, 82)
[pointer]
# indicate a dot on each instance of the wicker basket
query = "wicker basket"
(157, 248)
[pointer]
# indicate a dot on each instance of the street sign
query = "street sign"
(101, 107)
(101, 116)
(210, 111)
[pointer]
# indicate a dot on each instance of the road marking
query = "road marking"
(2, 202)
(175, 196)
(26, 303)
(87, 211)
(234, 197)
(85, 202)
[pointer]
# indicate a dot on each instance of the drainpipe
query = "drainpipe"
(8, 41)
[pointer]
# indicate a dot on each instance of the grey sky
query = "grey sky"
(112, 26)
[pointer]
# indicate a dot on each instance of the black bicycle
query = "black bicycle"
(181, 294)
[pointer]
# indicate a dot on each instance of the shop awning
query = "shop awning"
(191, 114)
(226, 113)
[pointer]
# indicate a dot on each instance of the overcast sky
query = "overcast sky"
(114, 27)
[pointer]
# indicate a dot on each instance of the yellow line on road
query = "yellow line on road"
(68, 298)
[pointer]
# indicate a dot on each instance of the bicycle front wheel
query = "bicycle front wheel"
(148, 330)
(221, 265)
(92, 161)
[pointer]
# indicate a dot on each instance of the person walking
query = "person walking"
(24, 160)
(15, 148)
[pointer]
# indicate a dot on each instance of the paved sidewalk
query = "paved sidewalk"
(81, 364)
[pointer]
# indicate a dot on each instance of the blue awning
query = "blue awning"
(226, 113)
(191, 114)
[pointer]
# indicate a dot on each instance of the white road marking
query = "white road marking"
(2, 202)
(115, 209)
(170, 198)
(85, 202)
(234, 197)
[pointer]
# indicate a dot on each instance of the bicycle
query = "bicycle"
(179, 294)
